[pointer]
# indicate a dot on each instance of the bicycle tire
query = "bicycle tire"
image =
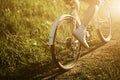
(65, 46)
(104, 23)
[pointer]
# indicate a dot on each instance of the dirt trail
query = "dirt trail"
(90, 62)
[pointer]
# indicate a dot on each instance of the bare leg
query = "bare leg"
(80, 32)
(91, 10)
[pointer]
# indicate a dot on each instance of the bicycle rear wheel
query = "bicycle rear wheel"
(104, 22)
(65, 48)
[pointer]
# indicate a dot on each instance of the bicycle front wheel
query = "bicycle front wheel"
(65, 48)
(104, 22)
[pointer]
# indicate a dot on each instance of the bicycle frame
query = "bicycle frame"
(65, 48)
(73, 13)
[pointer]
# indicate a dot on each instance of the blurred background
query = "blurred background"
(115, 10)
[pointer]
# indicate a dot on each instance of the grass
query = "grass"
(24, 31)
(103, 66)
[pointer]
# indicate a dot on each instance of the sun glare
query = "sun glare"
(115, 9)
(116, 5)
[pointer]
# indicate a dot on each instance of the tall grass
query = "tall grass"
(24, 32)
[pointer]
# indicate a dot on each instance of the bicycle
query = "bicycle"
(65, 48)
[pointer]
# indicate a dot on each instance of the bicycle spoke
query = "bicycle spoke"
(66, 47)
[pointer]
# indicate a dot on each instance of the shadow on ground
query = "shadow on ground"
(47, 71)
(52, 73)
(92, 48)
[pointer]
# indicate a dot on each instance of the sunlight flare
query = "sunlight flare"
(116, 6)
(115, 10)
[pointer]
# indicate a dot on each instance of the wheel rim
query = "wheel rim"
(104, 23)
(66, 46)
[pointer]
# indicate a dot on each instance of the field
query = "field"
(24, 51)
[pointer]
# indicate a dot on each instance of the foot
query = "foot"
(80, 35)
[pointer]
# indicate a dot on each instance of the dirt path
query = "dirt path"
(93, 65)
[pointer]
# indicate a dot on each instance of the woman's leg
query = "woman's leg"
(81, 31)
(90, 12)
